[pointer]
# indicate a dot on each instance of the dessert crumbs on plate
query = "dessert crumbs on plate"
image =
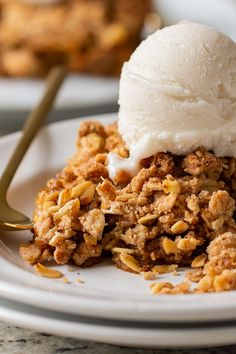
(66, 280)
(47, 272)
(81, 216)
(150, 275)
(80, 281)
(71, 269)
(166, 288)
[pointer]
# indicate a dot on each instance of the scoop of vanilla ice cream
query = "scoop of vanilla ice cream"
(177, 93)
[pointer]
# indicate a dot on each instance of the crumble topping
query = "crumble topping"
(177, 211)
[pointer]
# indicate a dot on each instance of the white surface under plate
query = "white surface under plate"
(107, 291)
(78, 91)
(118, 332)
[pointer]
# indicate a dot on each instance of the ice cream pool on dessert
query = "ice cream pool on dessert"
(177, 93)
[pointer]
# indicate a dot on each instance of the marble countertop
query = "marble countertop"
(21, 341)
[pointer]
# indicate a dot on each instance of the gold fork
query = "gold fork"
(11, 219)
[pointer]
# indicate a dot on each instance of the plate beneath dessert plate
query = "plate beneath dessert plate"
(106, 292)
(157, 335)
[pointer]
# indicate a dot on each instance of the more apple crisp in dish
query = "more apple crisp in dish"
(177, 211)
(92, 36)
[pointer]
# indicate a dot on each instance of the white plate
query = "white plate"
(117, 332)
(79, 91)
(107, 292)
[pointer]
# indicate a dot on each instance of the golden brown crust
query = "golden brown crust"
(177, 210)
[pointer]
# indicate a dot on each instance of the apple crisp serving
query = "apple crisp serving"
(94, 36)
(177, 211)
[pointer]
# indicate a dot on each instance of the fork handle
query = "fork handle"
(31, 126)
